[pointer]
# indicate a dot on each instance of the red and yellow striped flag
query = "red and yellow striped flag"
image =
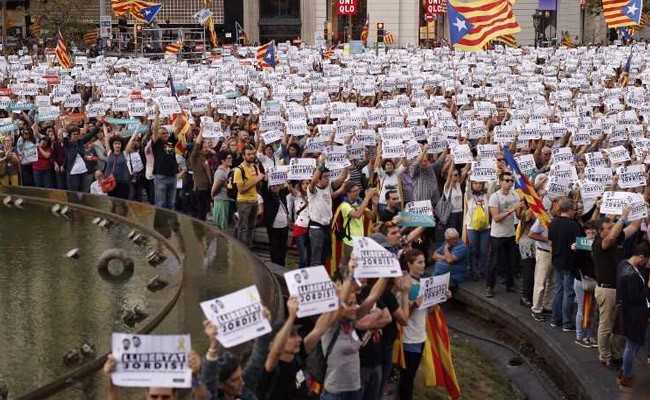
(173, 48)
(62, 54)
(90, 38)
(436, 359)
(36, 27)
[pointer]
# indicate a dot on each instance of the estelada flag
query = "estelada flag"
(182, 124)
(526, 189)
(266, 55)
(436, 358)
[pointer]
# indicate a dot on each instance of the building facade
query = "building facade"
(269, 19)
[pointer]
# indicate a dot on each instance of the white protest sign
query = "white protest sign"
(591, 190)
(618, 155)
(301, 169)
(373, 261)
(314, 289)
(462, 154)
(238, 316)
(638, 208)
(271, 136)
(562, 154)
(137, 109)
(42, 101)
(420, 207)
(48, 113)
(202, 15)
(336, 158)
(613, 203)
(487, 151)
(602, 175)
(211, 130)
(277, 175)
(526, 164)
(151, 360)
(73, 100)
(483, 172)
(596, 159)
(392, 149)
(631, 176)
(433, 290)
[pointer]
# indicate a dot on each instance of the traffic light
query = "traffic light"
(380, 32)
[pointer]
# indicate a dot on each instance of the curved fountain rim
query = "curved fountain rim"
(92, 366)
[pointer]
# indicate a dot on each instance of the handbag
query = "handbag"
(108, 183)
(443, 209)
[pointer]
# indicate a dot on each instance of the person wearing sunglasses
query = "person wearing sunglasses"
(504, 205)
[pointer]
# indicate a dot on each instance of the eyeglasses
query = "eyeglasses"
(499, 159)
(507, 180)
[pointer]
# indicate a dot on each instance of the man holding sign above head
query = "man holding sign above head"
(161, 364)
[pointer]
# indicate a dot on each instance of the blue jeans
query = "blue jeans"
(580, 297)
(43, 179)
(355, 395)
(564, 298)
(631, 349)
(165, 188)
(303, 250)
(478, 251)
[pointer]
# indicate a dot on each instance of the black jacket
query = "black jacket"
(632, 294)
(272, 203)
(72, 149)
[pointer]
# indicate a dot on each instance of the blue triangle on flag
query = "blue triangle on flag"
(459, 26)
(150, 13)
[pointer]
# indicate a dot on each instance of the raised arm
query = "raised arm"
(277, 346)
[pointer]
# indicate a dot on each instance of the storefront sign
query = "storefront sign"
(347, 7)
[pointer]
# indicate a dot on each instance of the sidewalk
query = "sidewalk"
(575, 368)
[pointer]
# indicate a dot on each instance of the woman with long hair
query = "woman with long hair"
(221, 202)
(116, 166)
(414, 335)
(299, 215)
(42, 167)
(477, 226)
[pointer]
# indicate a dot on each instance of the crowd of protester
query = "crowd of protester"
(570, 111)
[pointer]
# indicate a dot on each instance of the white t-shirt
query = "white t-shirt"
(320, 205)
(502, 202)
(389, 182)
(415, 330)
(300, 212)
(95, 188)
(134, 162)
(281, 218)
(539, 228)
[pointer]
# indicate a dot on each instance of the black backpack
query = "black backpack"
(231, 187)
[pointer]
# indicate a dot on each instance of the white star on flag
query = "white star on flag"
(631, 10)
(460, 24)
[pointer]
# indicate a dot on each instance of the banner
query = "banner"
(151, 360)
(631, 176)
(374, 261)
(314, 290)
(238, 316)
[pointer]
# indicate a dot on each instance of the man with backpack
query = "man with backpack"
(349, 218)
(246, 176)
